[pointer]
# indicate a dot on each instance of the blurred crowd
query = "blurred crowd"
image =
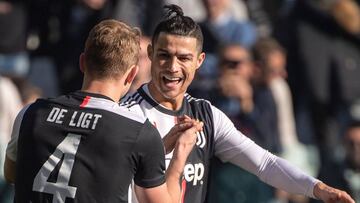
(285, 71)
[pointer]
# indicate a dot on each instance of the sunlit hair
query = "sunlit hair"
(177, 24)
(111, 48)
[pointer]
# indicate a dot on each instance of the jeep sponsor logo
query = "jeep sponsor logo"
(194, 173)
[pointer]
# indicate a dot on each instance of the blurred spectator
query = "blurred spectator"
(196, 10)
(144, 73)
(270, 58)
(77, 21)
(140, 13)
(219, 27)
(230, 183)
(347, 14)
(269, 16)
(324, 64)
(58, 32)
(219, 19)
(27, 90)
(234, 82)
(13, 57)
(251, 108)
(346, 173)
(10, 105)
(253, 112)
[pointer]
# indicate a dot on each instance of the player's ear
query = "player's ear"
(82, 62)
(150, 51)
(131, 74)
(200, 59)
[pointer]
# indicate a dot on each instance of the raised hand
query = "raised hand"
(184, 123)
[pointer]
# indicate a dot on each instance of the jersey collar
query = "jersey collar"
(84, 94)
(145, 93)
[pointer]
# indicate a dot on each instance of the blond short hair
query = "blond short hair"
(111, 48)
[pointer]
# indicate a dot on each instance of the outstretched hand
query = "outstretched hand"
(184, 123)
(331, 195)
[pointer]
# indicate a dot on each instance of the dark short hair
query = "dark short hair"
(177, 23)
(354, 123)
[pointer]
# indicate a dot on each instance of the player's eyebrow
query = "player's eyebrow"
(180, 54)
(186, 55)
(163, 50)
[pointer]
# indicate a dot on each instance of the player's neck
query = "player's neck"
(173, 104)
(107, 88)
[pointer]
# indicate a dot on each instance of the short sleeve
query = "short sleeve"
(150, 155)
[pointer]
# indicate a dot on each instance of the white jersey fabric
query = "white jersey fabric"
(219, 138)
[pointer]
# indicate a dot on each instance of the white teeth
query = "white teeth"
(172, 78)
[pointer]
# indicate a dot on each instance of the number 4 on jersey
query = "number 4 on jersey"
(60, 189)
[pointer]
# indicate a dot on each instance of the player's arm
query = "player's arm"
(11, 150)
(170, 191)
(232, 146)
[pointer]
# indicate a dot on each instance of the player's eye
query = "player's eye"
(163, 55)
(185, 58)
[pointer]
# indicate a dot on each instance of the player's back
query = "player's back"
(80, 148)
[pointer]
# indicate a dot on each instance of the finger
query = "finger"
(195, 128)
(345, 197)
(183, 118)
(180, 118)
(199, 125)
(187, 117)
(342, 196)
(181, 127)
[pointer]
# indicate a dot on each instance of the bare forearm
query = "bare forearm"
(183, 148)
(9, 170)
(175, 171)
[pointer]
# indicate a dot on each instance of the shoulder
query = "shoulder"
(131, 99)
(119, 111)
(198, 105)
(196, 101)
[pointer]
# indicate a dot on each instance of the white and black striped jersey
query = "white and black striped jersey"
(83, 147)
(221, 139)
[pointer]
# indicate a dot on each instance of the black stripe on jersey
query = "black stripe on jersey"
(131, 99)
(136, 96)
(135, 99)
(135, 103)
(128, 99)
(190, 98)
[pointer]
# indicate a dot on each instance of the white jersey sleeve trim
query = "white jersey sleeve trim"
(234, 147)
(11, 150)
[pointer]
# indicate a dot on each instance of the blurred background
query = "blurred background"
(287, 72)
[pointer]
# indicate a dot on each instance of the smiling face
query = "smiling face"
(175, 60)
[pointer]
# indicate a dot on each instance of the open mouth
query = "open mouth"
(170, 81)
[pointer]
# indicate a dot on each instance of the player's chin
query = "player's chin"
(171, 95)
